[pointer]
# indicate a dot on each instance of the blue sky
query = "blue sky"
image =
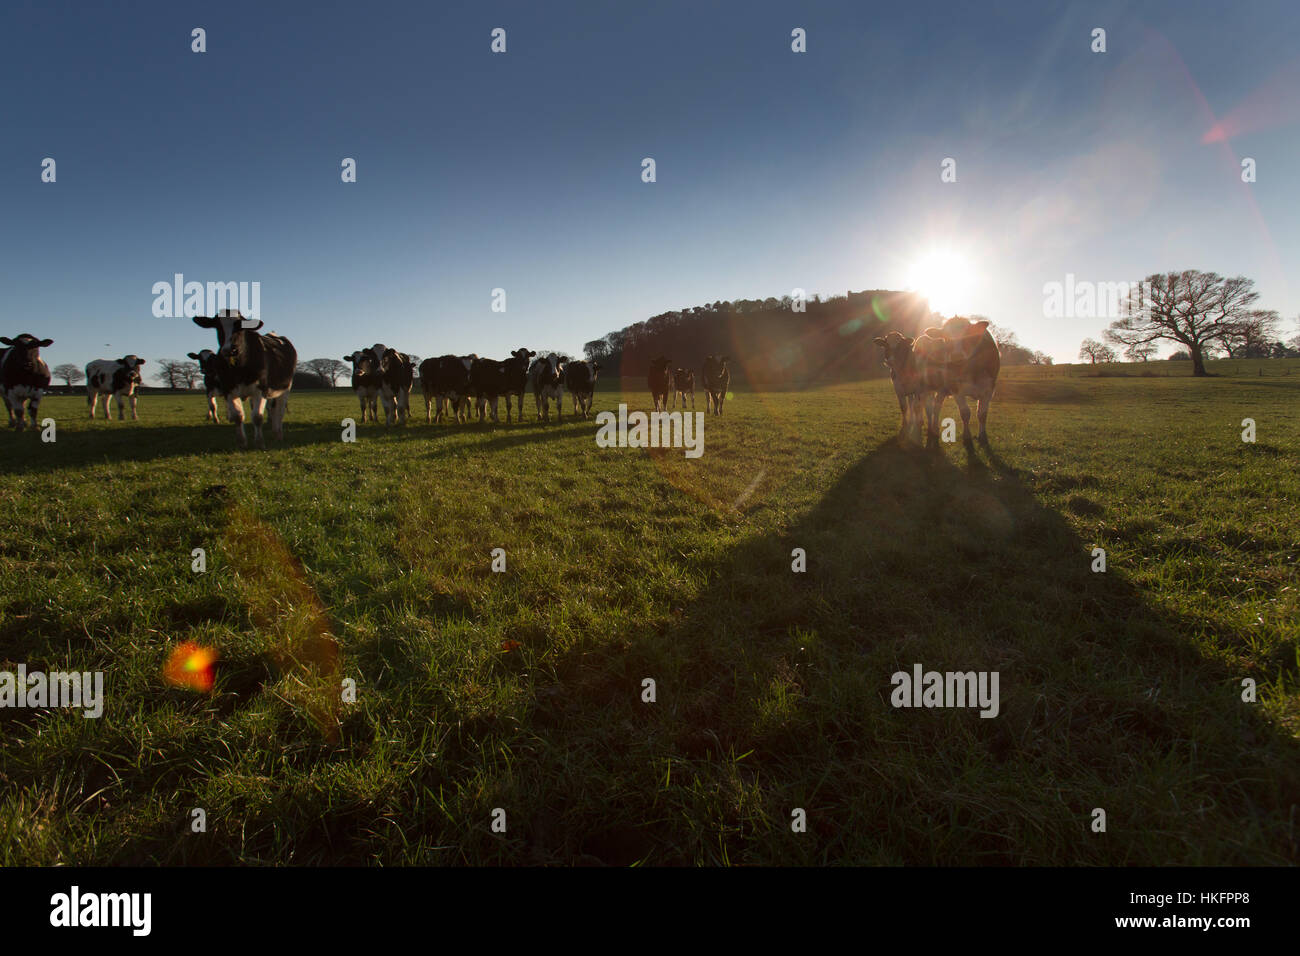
(522, 171)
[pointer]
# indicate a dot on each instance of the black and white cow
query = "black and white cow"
(365, 381)
(257, 367)
(490, 379)
(445, 380)
(396, 376)
(547, 378)
(580, 380)
(717, 379)
(24, 376)
(4, 396)
(207, 360)
(660, 381)
(683, 385)
(115, 378)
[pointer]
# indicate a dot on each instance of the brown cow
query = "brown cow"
(898, 359)
(970, 370)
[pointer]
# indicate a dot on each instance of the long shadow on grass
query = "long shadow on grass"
(27, 454)
(773, 694)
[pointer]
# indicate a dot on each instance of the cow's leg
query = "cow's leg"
(121, 411)
(91, 396)
(258, 402)
(278, 407)
(985, 399)
(235, 412)
(404, 407)
(964, 408)
(135, 416)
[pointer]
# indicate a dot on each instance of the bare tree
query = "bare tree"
(178, 374)
(1198, 309)
(1140, 351)
(189, 373)
(327, 370)
(1253, 335)
(1095, 352)
(70, 374)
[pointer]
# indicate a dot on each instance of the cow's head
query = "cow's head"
(232, 329)
(660, 364)
(964, 336)
(522, 356)
(132, 365)
(26, 343)
(897, 347)
(548, 369)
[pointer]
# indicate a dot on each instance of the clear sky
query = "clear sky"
(522, 170)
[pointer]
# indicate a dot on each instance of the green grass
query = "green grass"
(372, 560)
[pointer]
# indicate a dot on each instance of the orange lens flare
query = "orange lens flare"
(191, 665)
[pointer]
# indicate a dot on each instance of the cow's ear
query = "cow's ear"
(982, 324)
(191, 355)
(251, 328)
(879, 341)
(44, 342)
(204, 322)
(531, 354)
(139, 361)
(595, 366)
(6, 340)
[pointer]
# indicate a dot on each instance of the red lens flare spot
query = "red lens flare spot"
(191, 665)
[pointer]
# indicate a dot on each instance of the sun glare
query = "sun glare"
(945, 278)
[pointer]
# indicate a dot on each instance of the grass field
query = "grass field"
(522, 690)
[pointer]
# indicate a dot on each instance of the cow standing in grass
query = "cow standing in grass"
(547, 379)
(490, 379)
(907, 379)
(717, 381)
(446, 380)
(683, 385)
(4, 395)
(207, 360)
(970, 371)
(580, 380)
(396, 376)
(257, 367)
(660, 381)
(115, 378)
(365, 382)
(24, 377)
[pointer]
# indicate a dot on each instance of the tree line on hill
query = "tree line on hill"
(782, 341)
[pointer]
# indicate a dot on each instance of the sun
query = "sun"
(945, 277)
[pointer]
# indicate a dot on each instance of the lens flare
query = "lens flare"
(191, 665)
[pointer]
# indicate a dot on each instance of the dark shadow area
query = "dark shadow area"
(774, 693)
(78, 449)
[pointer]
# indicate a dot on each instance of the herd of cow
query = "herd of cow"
(260, 368)
(958, 358)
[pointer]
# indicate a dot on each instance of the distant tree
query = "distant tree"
(1182, 355)
(70, 374)
(170, 373)
(1253, 335)
(1095, 352)
(327, 370)
(1041, 358)
(189, 373)
(1196, 309)
(1140, 351)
